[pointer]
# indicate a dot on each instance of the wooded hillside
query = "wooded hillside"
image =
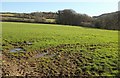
(66, 17)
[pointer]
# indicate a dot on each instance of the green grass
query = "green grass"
(43, 35)
(7, 14)
(78, 50)
(50, 20)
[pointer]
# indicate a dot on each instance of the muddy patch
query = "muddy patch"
(40, 55)
(28, 42)
(47, 54)
(17, 50)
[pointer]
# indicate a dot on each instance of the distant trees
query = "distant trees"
(34, 17)
(38, 17)
(107, 21)
(119, 19)
(70, 17)
(66, 17)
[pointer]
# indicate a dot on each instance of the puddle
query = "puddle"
(52, 55)
(40, 55)
(29, 43)
(43, 54)
(17, 50)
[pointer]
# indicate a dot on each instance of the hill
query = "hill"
(105, 21)
(108, 20)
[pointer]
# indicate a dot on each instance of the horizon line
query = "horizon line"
(56, 12)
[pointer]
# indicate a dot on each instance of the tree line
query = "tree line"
(104, 21)
(67, 17)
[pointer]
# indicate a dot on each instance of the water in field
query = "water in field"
(17, 50)
(44, 54)
(29, 43)
(40, 55)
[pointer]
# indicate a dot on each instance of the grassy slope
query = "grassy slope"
(7, 15)
(44, 35)
(89, 51)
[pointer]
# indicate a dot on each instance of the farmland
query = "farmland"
(53, 50)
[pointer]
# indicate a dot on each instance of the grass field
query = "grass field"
(7, 15)
(71, 50)
(50, 20)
